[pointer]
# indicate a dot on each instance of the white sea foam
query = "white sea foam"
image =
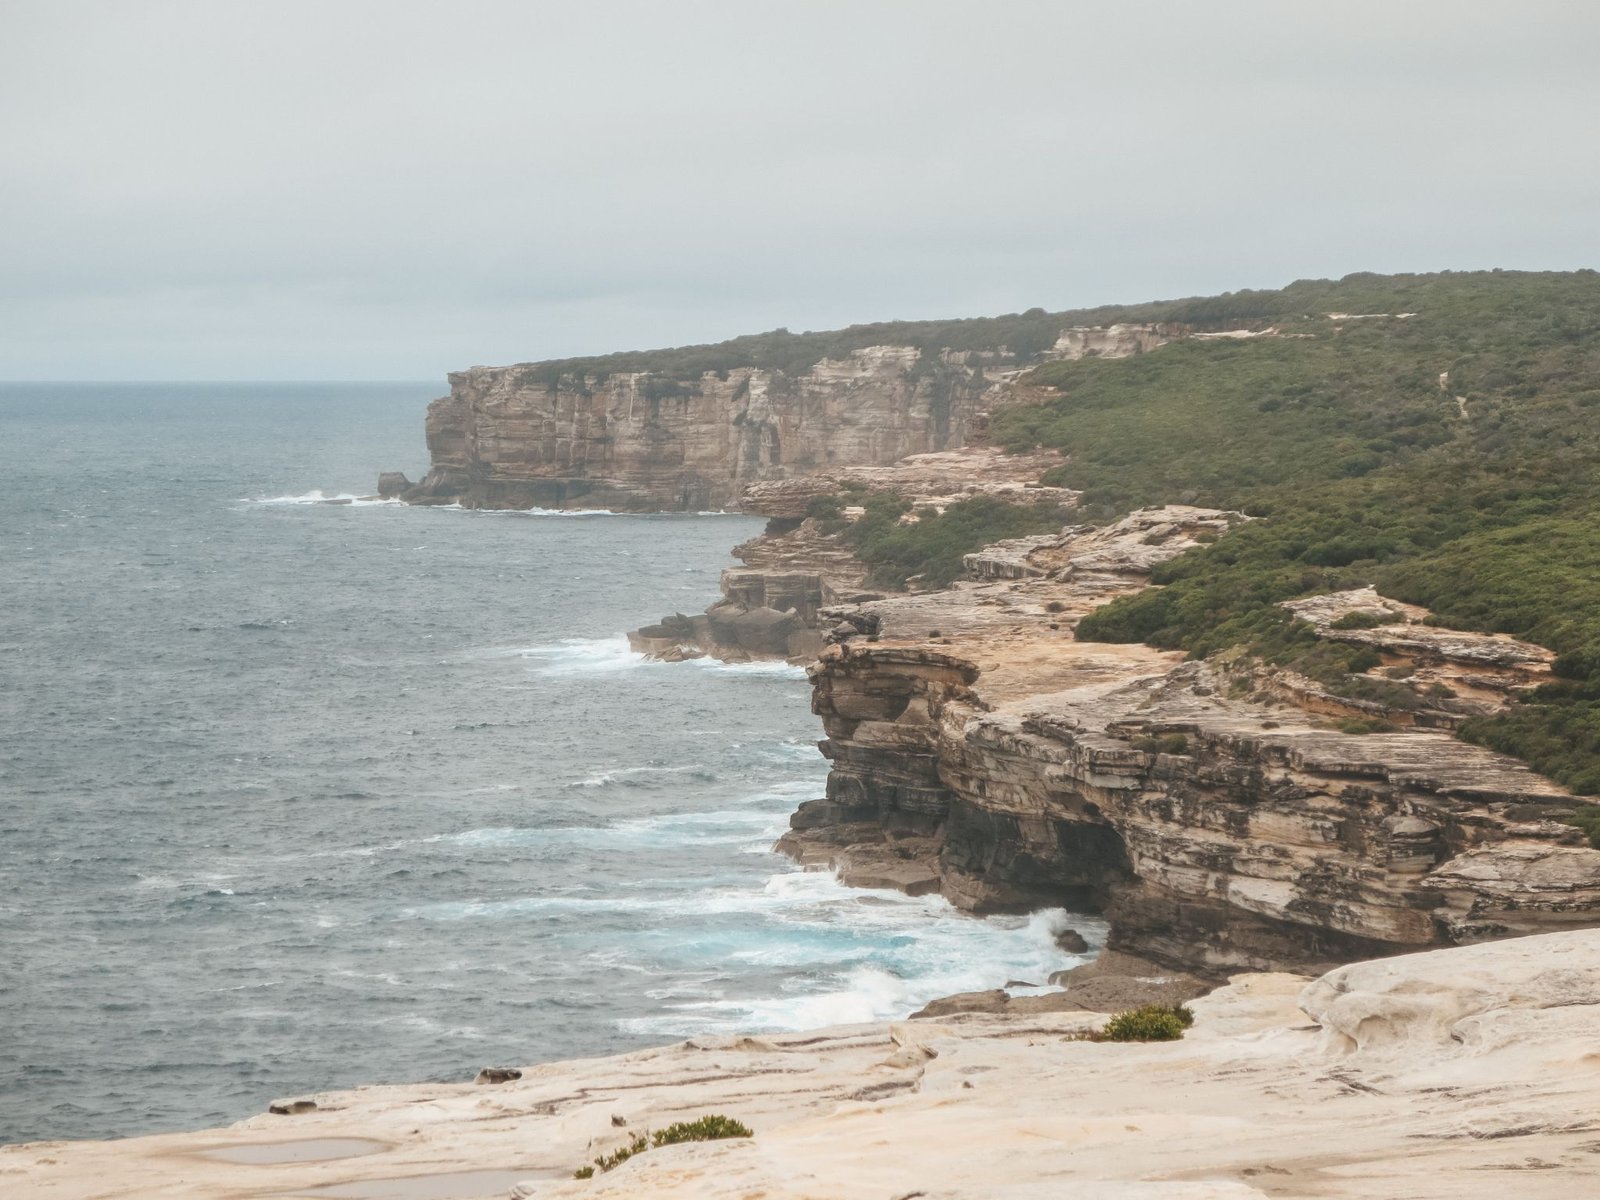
(546, 512)
(207, 882)
(767, 667)
(584, 656)
(791, 750)
(609, 655)
(318, 496)
(632, 776)
(889, 953)
(843, 954)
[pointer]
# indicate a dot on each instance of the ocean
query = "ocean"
(299, 795)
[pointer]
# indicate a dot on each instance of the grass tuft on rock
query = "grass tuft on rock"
(709, 1128)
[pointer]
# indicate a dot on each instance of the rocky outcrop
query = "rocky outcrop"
(1454, 673)
(520, 437)
(1218, 823)
(1112, 341)
(1467, 1073)
(772, 606)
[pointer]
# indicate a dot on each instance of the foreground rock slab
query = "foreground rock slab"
(1469, 1073)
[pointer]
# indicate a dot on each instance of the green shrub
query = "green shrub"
(1148, 1023)
(1558, 736)
(609, 1162)
(931, 548)
(1364, 619)
(706, 1129)
(1364, 725)
(1171, 743)
(1587, 818)
(1364, 474)
(824, 508)
(1380, 691)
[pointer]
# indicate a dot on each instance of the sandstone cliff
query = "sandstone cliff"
(771, 607)
(1217, 813)
(520, 437)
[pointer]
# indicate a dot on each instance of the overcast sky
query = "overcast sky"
(395, 189)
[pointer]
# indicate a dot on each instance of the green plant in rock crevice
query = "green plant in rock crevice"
(711, 1127)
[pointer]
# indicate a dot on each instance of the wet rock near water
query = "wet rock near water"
(498, 1075)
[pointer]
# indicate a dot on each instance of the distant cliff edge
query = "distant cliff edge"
(688, 430)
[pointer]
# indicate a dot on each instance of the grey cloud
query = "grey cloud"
(220, 189)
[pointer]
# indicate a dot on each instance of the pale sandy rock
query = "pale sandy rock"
(1405, 633)
(800, 567)
(514, 437)
(1425, 1002)
(506, 437)
(1112, 341)
(1468, 1073)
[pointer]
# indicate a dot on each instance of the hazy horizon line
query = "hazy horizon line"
(188, 382)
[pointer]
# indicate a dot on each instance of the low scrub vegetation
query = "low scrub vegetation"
(1363, 618)
(930, 549)
(711, 1127)
(1451, 459)
(1171, 743)
(1023, 337)
(1587, 818)
(706, 1129)
(1148, 1023)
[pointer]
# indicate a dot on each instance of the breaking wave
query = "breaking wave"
(318, 496)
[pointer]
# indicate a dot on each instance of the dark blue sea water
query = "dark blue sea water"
(297, 795)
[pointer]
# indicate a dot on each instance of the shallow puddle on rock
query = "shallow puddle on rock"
(302, 1150)
(456, 1185)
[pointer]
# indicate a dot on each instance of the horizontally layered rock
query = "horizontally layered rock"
(1219, 825)
(516, 437)
(771, 606)
(1454, 674)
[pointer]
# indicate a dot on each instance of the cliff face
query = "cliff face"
(510, 437)
(772, 606)
(1217, 815)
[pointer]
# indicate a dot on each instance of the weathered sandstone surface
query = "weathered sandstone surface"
(511, 437)
(1470, 1073)
(771, 606)
(1215, 812)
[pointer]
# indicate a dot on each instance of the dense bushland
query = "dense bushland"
(1025, 336)
(930, 549)
(1348, 439)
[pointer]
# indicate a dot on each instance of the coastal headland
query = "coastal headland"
(1259, 625)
